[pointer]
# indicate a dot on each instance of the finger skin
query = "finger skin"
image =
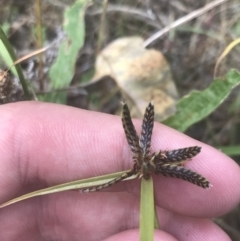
(46, 144)
(133, 235)
(190, 229)
(93, 217)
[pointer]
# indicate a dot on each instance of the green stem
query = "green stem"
(147, 210)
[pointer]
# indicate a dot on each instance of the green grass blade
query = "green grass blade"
(147, 210)
(62, 71)
(18, 68)
(199, 104)
(199, 30)
(79, 184)
(6, 56)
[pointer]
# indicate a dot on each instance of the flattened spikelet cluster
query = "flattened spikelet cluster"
(167, 163)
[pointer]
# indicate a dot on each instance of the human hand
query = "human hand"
(46, 144)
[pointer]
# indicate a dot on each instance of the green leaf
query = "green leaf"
(62, 71)
(79, 184)
(5, 54)
(9, 55)
(6, 58)
(147, 211)
(230, 150)
(199, 104)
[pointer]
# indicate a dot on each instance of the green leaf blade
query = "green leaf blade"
(62, 71)
(74, 185)
(199, 104)
(11, 58)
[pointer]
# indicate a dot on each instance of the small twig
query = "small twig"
(102, 28)
(133, 12)
(108, 97)
(72, 88)
(39, 43)
(183, 20)
(124, 9)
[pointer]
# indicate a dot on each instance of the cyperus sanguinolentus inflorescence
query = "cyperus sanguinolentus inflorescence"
(168, 163)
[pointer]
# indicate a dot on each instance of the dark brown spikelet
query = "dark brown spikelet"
(182, 154)
(108, 184)
(147, 127)
(131, 134)
(182, 173)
